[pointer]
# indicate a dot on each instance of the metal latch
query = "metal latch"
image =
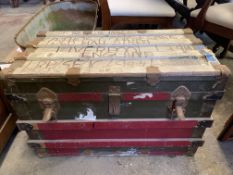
(179, 101)
(49, 102)
(225, 72)
(114, 98)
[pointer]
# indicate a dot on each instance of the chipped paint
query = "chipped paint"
(129, 152)
(4, 66)
(130, 83)
(89, 116)
(19, 49)
(143, 96)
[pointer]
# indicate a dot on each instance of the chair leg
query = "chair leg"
(106, 25)
(106, 16)
(226, 47)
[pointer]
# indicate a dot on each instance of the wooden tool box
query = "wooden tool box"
(115, 92)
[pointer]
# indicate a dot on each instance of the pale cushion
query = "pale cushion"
(221, 14)
(190, 4)
(150, 8)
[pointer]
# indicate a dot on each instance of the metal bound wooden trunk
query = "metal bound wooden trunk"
(135, 92)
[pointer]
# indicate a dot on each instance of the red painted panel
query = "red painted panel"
(126, 96)
(116, 124)
(73, 97)
(145, 124)
(115, 143)
(133, 96)
(111, 134)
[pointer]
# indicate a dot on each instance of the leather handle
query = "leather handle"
(179, 101)
(48, 114)
(49, 103)
(180, 112)
(114, 100)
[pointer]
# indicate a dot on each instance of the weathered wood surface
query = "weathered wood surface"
(110, 68)
(115, 53)
(114, 41)
(115, 33)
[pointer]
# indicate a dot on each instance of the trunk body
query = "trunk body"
(107, 85)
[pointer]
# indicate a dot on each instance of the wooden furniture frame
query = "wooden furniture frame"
(227, 132)
(222, 35)
(108, 21)
(7, 121)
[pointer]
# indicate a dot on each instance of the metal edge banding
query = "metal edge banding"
(107, 143)
(168, 151)
(43, 152)
(191, 120)
(156, 150)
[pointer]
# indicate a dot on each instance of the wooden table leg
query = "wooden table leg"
(227, 132)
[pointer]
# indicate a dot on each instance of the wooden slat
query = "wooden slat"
(118, 53)
(110, 68)
(117, 33)
(116, 41)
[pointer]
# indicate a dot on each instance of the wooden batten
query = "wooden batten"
(92, 41)
(114, 33)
